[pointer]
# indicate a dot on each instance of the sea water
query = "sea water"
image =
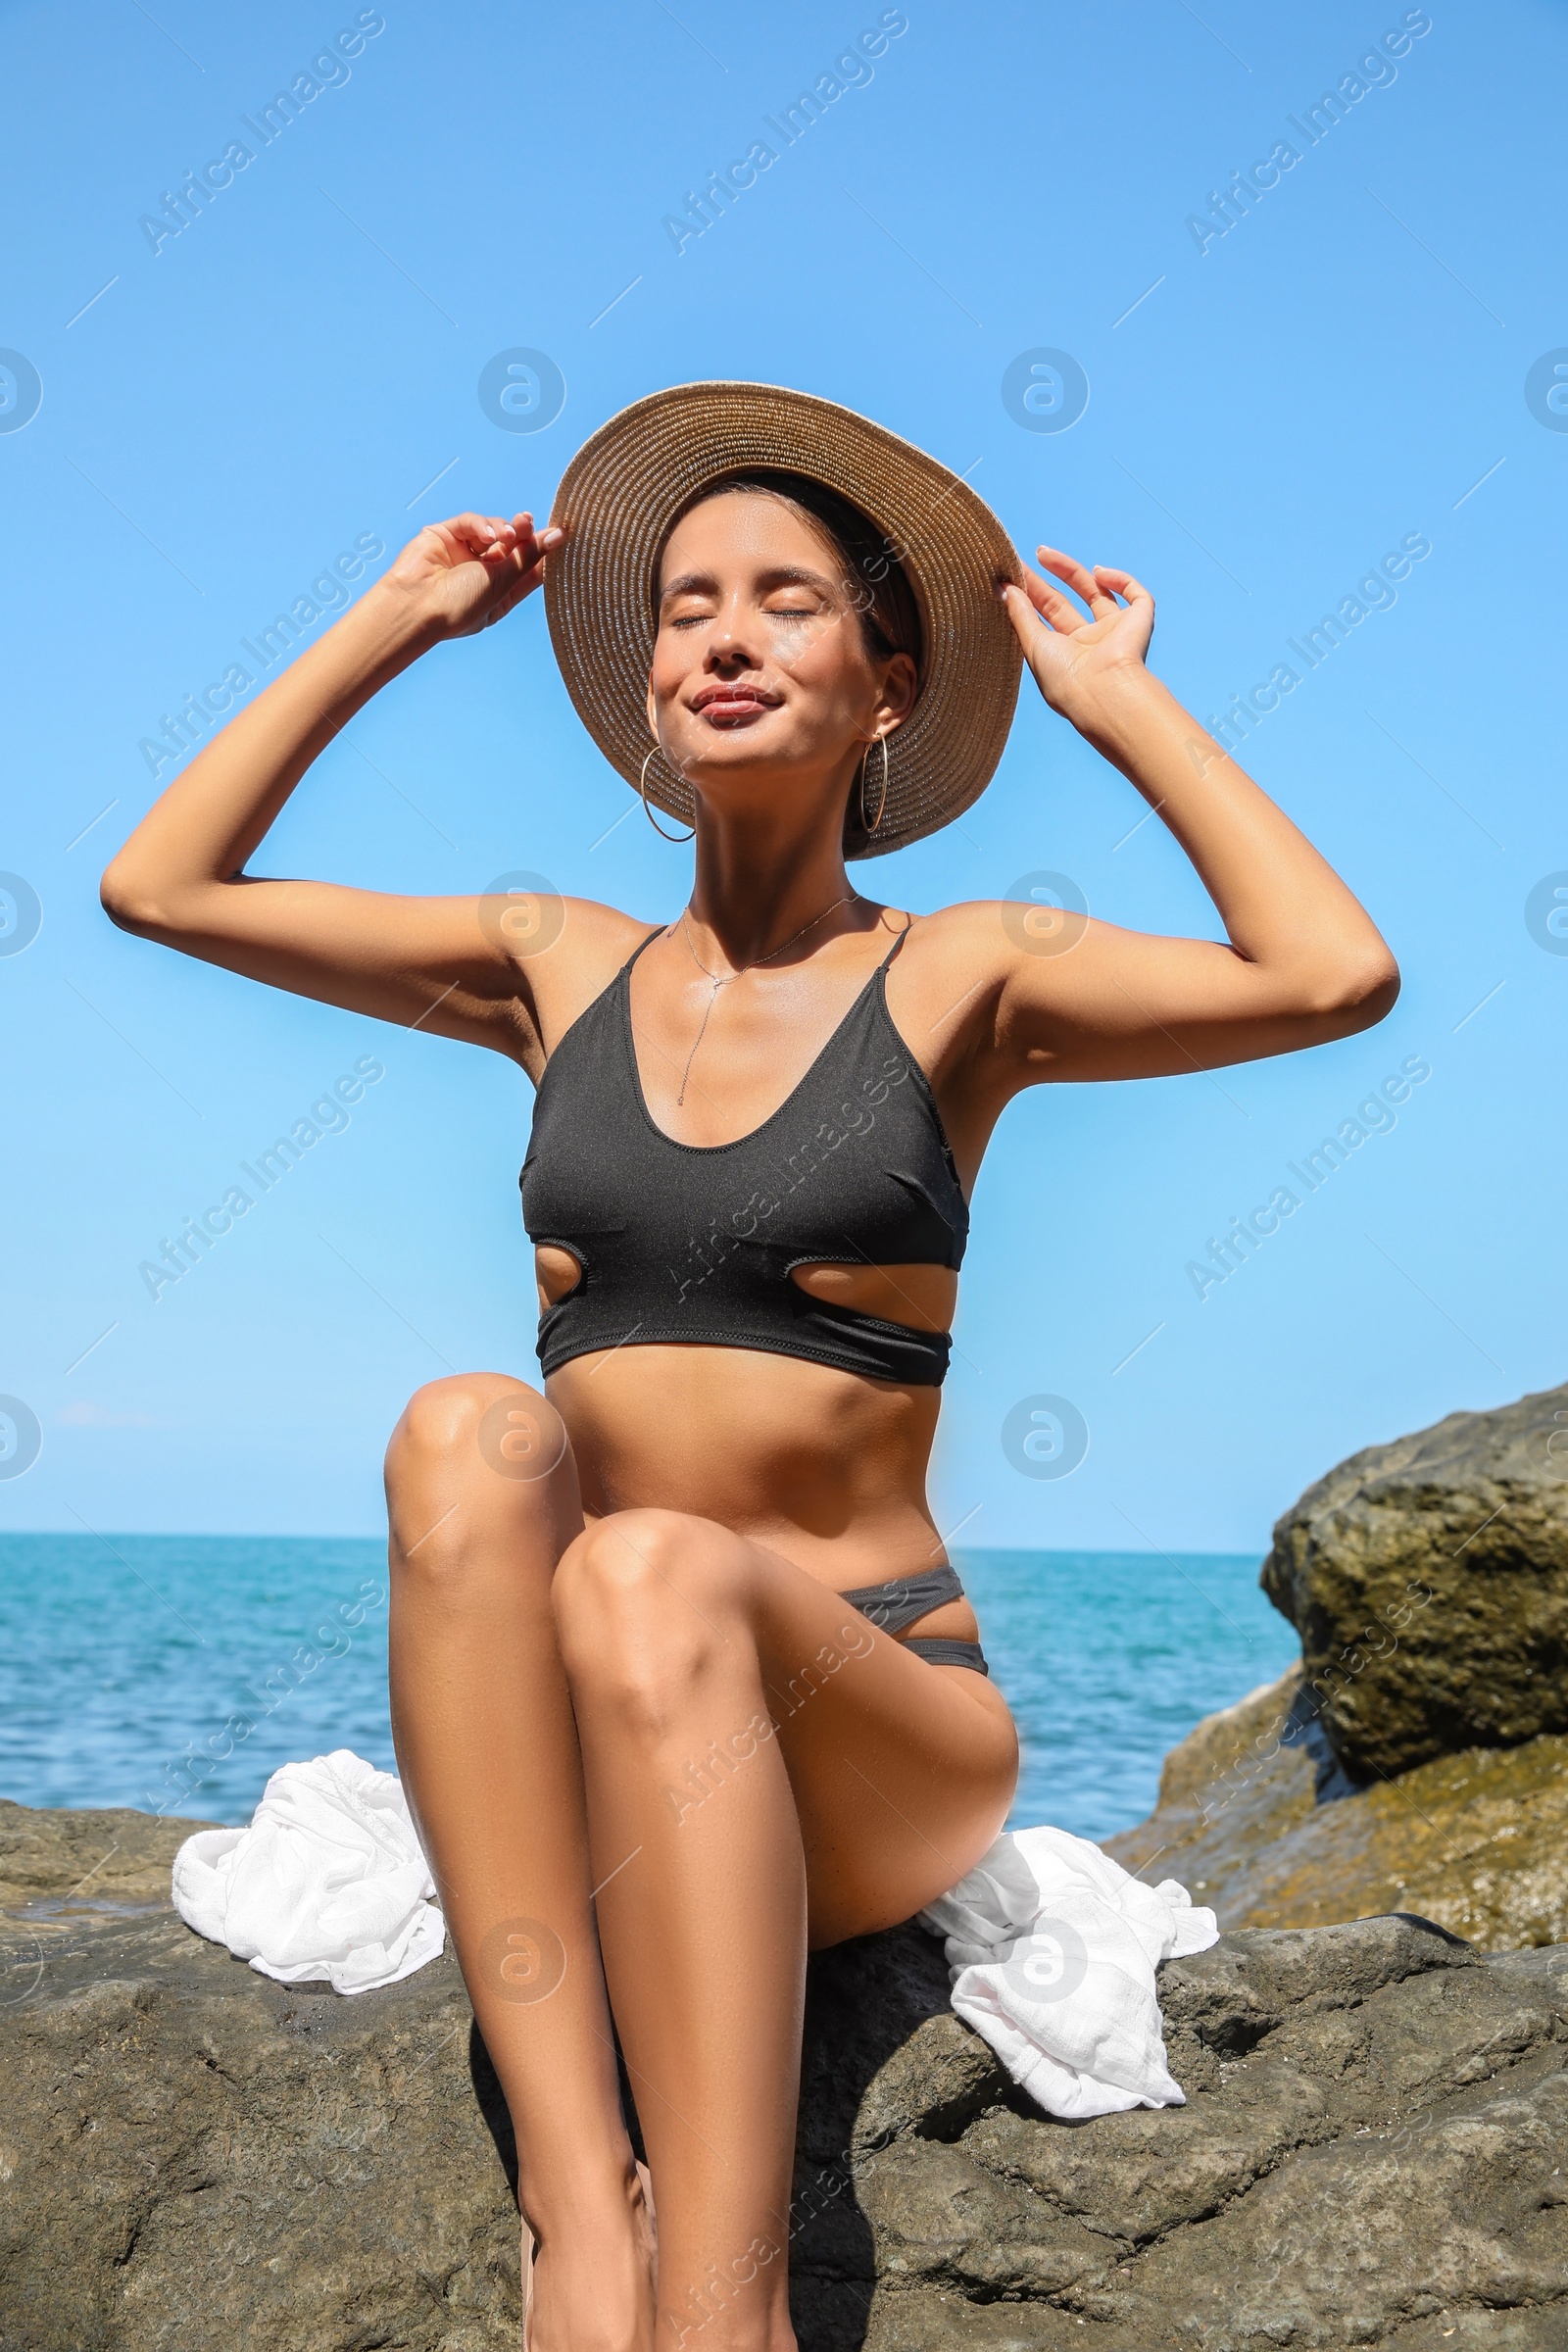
(175, 1673)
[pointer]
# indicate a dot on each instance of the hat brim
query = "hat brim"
(617, 497)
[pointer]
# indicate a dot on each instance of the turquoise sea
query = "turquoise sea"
(175, 1672)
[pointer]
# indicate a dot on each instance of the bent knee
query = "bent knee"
(484, 1417)
(478, 1441)
(641, 1599)
(632, 1561)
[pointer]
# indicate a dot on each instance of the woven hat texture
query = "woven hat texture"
(619, 495)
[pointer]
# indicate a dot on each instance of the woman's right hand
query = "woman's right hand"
(436, 963)
(464, 575)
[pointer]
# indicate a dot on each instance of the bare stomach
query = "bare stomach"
(823, 1467)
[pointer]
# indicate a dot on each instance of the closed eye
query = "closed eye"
(691, 620)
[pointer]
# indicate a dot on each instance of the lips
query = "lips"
(733, 705)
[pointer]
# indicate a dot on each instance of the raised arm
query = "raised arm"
(180, 878)
(1304, 962)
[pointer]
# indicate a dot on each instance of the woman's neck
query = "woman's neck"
(755, 886)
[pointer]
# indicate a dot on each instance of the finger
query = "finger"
(525, 572)
(469, 531)
(529, 553)
(1079, 576)
(520, 567)
(481, 534)
(1062, 614)
(1029, 626)
(529, 543)
(511, 541)
(1058, 612)
(503, 540)
(1132, 592)
(548, 534)
(531, 539)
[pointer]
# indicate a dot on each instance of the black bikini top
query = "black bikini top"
(695, 1244)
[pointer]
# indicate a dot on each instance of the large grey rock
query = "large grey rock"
(1429, 1582)
(1375, 2149)
(1477, 1842)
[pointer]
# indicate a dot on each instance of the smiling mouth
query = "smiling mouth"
(733, 706)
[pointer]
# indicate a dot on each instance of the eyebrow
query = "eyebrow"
(777, 575)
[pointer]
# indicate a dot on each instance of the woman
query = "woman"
(682, 1683)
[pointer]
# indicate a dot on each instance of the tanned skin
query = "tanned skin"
(565, 1646)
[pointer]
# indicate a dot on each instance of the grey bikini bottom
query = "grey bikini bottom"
(904, 1598)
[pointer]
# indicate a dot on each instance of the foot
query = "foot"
(591, 2281)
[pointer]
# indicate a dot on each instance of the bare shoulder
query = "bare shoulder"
(567, 952)
(972, 932)
(946, 981)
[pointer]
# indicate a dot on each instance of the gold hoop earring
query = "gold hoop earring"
(868, 825)
(642, 790)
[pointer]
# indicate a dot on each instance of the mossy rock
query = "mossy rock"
(1427, 1580)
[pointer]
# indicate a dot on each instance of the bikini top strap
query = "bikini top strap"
(625, 970)
(892, 952)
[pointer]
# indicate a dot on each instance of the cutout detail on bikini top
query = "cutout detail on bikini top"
(696, 1243)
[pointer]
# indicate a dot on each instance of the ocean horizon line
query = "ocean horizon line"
(987, 1551)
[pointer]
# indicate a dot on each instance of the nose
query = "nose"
(729, 645)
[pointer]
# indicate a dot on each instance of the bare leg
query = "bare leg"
(762, 1769)
(482, 1499)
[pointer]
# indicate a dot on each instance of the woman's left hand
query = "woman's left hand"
(1074, 660)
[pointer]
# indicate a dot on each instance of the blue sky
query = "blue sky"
(1270, 412)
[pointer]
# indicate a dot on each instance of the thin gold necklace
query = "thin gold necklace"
(723, 980)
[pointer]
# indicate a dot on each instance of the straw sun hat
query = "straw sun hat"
(626, 484)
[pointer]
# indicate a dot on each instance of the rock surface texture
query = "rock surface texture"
(1429, 1582)
(1375, 2151)
(1477, 1842)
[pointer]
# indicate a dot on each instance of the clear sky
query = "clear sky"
(1278, 400)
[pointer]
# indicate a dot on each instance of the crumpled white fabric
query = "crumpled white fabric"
(329, 1880)
(1053, 1949)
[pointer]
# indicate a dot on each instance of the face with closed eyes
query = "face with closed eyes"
(760, 667)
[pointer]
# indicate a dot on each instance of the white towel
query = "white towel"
(327, 1882)
(1053, 1949)
(1051, 1945)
